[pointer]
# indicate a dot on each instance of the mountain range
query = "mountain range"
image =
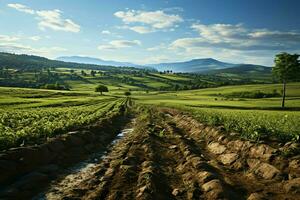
(96, 61)
(204, 65)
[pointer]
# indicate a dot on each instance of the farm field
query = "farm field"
(212, 143)
(149, 100)
(217, 142)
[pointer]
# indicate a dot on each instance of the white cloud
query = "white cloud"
(51, 19)
(35, 38)
(21, 8)
(107, 32)
(155, 20)
(159, 47)
(117, 44)
(7, 38)
(141, 29)
(26, 49)
(228, 36)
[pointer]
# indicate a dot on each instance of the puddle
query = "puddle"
(78, 172)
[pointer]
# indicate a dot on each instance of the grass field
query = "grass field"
(252, 118)
(27, 115)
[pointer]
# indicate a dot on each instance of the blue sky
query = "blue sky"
(238, 31)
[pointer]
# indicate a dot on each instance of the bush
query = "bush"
(252, 95)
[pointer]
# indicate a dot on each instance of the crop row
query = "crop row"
(252, 124)
(30, 126)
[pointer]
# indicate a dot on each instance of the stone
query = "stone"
(216, 148)
(173, 147)
(216, 194)
(205, 176)
(267, 171)
(198, 162)
(253, 163)
(176, 192)
(262, 151)
(255, 196)
(294, 164)
(292, 186)
(228, 158)
(214, 184)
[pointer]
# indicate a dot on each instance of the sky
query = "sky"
(144, 31)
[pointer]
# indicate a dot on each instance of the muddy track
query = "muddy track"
(169, 155)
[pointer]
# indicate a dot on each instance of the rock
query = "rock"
(176, 192)
(186, 153)
(292, 186)
(255, 196)
(262, 151)
(142, 190)
(236, 145)
(198, 163)
(228, 158)
(239, 145)
(214, 184)
(221, 138)
(205, 176)
(215, 194)
(253, 163)
(267, 171)
(294, 164)
(216, 148)
(173, 147)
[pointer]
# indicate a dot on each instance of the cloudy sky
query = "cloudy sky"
(143, 31)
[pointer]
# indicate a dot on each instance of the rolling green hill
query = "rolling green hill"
(245, 71)
(38, 72)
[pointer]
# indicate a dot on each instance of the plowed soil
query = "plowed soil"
(169, 155)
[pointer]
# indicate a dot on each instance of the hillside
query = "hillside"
(195, 65)
(249, 71)
(39, 72)
(95, 61)
(26, 62)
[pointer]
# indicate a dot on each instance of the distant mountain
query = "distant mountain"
(195, 65)
(244, 71)
(31, 62)
(95, 61)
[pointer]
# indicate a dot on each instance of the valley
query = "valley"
(150, 135)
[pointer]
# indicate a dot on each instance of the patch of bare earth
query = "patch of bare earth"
(172, 156)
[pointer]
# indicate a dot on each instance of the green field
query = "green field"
(30, 115)
(252, 118)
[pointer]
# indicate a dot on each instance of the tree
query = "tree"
(101, 88)
(287, 68)
(93, 73)
(127, 93)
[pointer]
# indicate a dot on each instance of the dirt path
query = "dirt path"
(169, 155)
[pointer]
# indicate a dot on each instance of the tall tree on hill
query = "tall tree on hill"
(101, 89)
(287, 68)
